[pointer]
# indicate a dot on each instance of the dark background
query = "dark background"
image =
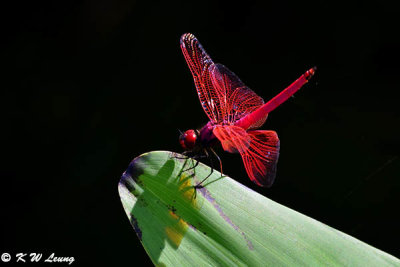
(89, 85)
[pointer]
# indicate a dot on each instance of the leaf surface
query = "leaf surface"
(226, 223)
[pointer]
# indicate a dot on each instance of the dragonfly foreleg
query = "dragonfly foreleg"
(186, 155)
(194, 157)
(193, 165)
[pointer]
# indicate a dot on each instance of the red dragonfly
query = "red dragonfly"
(235, 111)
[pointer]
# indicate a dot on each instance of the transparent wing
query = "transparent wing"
(233, 138)
(235, 99)
(259, 151)
(261, 159)
(199, 62)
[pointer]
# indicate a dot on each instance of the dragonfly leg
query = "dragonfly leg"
(196, 157)
(186, 155)
(199, 185)
(220, 162)
(193, 167)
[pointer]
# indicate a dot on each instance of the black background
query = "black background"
(89, 85)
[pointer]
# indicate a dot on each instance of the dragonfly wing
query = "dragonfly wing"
(233, 139)
(199, 62)
(261, 159)
(236, 100)
(259, 151)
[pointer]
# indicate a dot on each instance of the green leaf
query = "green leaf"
(226, 223)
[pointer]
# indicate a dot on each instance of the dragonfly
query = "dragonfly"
(235, 113)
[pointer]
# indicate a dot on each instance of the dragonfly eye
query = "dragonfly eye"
(188, 139)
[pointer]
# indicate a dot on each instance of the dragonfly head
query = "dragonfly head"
(188, 139)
